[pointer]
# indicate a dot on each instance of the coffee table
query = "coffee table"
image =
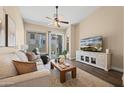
(63, 71)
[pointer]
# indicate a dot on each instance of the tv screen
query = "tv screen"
(93, 44)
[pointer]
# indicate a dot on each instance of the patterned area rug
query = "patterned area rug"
(83, 79)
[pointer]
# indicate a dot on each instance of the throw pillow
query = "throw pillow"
(24, 67)
(22, 56)
(31, 56)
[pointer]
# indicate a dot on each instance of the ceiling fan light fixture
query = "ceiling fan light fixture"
(55, 23)
(56, 20)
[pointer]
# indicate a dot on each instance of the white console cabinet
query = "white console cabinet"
(97, 59)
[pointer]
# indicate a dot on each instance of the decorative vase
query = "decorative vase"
(61, 59)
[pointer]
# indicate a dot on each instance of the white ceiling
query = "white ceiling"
(73, 14)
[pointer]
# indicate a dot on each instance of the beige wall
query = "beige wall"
(106, 22)
(71, 33)
(68, 34)
(15, 14)
(30, 27)
(73, 40)
(77, 35)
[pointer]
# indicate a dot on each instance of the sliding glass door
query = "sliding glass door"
(56, 44)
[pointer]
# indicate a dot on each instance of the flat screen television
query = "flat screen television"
(93, 44)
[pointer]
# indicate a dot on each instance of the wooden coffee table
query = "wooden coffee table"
(63, 71)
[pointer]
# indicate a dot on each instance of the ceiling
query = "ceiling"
(73, 14)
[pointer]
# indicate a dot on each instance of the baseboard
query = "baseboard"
(117, 69)
(72, 58)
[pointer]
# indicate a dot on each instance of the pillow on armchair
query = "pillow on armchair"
(31, 56)
(34, 58)
(44, 58)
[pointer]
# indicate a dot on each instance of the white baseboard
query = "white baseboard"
(117, 69)
(72, 58)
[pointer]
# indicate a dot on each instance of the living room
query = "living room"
(104, 21)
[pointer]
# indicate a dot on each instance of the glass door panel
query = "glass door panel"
(56, 45)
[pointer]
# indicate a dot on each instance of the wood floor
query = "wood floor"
(113, 77)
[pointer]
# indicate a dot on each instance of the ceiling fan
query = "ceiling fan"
(56, 19)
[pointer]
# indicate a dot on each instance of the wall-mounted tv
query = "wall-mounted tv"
(93, 44)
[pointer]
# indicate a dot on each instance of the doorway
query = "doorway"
(56, 44)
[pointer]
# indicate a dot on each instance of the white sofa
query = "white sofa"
(9, 77)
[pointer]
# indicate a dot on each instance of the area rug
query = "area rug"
(83, 79)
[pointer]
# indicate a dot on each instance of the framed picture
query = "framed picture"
(2, 28)
(10, 31)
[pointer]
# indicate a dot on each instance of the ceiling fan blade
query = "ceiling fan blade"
(56, 21)
(65, 22)
(49, 18)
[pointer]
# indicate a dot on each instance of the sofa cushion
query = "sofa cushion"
(39, 63)
(24, 67)
(24, 78)
(7, 67)
(22, 56)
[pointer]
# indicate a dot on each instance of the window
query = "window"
(36, 40)
(67, 46)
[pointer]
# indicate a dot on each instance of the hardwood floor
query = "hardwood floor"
(113, 77)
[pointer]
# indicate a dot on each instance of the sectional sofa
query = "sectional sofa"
(10, 78)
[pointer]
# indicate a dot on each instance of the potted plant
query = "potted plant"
(64, 53)
(62, 57)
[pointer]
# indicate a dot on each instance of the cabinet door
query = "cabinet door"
(78, 58)
(101, 60)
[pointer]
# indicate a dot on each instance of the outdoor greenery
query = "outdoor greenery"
(64, 53)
